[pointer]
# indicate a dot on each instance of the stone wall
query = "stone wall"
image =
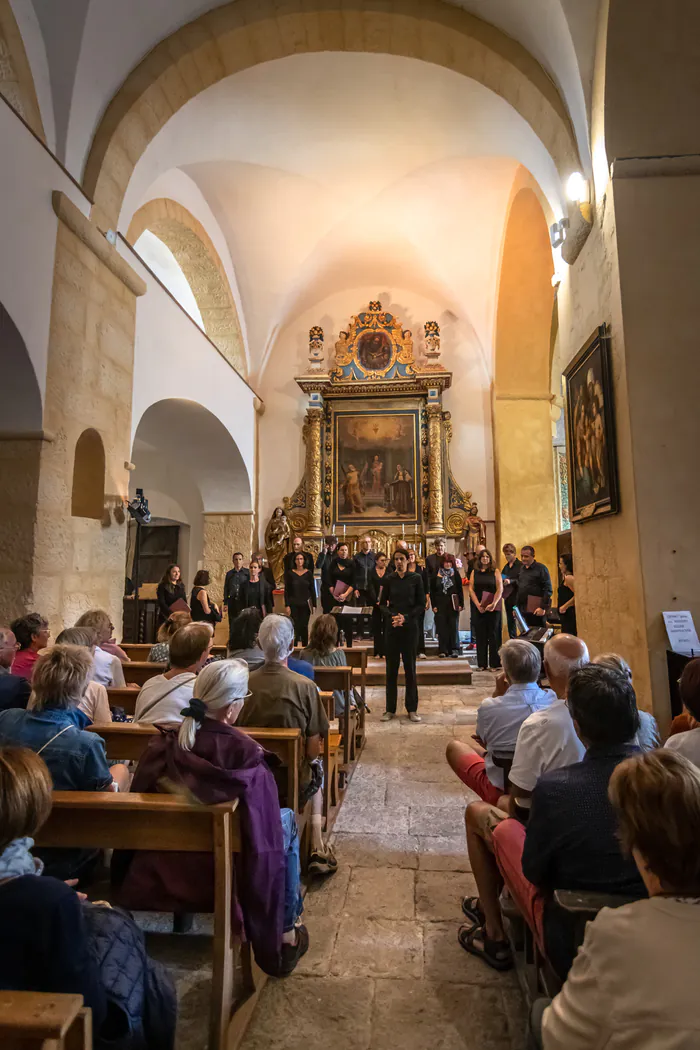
(224, 534)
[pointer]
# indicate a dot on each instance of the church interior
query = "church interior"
(417, 278)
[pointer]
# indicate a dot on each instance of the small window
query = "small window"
(88, 498)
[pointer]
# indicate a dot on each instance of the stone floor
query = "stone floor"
(384, 969)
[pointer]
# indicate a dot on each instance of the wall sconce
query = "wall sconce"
(579, 217)
(557, 232)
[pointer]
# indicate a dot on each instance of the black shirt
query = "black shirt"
(197, 609)
(298, 590)
(289, 562)
(534, 579)
(484, 582)
(257, 596)
(343, 569)
(512, 573)
(168, 594)
(234, 580)
(364, 565)
(14, 690)
(376, 583)
(442, 599)
(403, 594)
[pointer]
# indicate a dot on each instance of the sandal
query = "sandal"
(496, 954)
(471, 906)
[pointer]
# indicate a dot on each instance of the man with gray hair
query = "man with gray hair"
(499, 719)
(14, 690)
(283, 699)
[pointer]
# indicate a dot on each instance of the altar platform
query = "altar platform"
(429, 672)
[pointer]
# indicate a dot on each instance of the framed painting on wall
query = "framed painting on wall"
(376, 467)
(590, 420)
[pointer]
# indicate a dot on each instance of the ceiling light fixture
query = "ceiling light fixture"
(577, 188)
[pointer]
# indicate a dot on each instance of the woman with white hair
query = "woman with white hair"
(207, 757)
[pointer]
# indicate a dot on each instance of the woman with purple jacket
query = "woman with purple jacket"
(207, 756)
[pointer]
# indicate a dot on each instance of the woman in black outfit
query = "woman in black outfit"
(376, 582)
(203, 609)
(566, 601)
(343, 572)
(256, 592)
(299, 598)
(447, 598)
(413, 566)
(170, 590)
(486, 591)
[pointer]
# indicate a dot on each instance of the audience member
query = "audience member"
(486, 591)
(377, 579)
(32, 634)
(363, 565)
(202, 608)
(499, 719)
(243, 640)
(413, 566)
(647, 736)
(566, 600)
(171, 592)
(53, 942)
(534, 589)
(632, 984)
(688, 742)
(55, 729)
(163, 697)
(233, 582)
(217, 763)
(256, 592)
(447, 598)
(106, 668)
(94, 701)
(299, 597)
(282, 699)
(510, 573)
(160, 652)
(324, 563)
(103, 627)
(14, 688)
(322, 652)
(298, 548)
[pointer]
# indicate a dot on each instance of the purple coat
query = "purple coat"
(224, 764)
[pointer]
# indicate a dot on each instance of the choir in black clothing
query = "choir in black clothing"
(402, 602)
(413, 566)
(324, 562)
(256, 592)
(298, 548)
(486, 591)
(170, 591)
(377, 579)
(447, 599)
(300, 597)
(342, 586)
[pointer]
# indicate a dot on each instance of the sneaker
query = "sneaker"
(443, 656)
(414, 717)
(292, 953)
(387, 716)
(323, 862)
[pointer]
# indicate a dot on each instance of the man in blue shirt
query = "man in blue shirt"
(499, 719)
(14, 690)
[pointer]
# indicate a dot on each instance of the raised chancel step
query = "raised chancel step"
(430, 672)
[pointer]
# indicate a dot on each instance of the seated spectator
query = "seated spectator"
(688, 742)
(648, 736)
(243, 640)
(94, 702)
(282, 699)
(32, 634)
(499, 719)
(218, 763)
(160, 652)
(163, 697)
(632, 984)
(107, 668)
(571, 840)
(55, 729)
(14, 688)
(103, 627)
(322, 652)
(51, 939)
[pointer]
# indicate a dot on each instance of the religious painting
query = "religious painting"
(376, 467)
(593, 484)
(374, 351)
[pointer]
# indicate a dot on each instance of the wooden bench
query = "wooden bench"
(43, 1021)
(357, 659)
(329, 679)
(139, 671)
(106, 820)
(139, 651)
(124, 698)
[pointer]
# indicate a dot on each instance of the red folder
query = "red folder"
(534, 601)
(340, 588)
(179, 605)
(486, 599)
(455, 603)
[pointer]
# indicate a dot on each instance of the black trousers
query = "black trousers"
(401, 645)
(486, 628)
(300, 618)
(327, 599)
(510, 618)
(378, 631)
(447, 627)
(420, 633)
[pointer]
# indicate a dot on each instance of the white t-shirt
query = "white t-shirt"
(547, 740)
(162, 699)
(107, 669)
(687, 744)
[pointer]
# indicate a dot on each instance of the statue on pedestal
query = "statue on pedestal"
(316, 350)
(277, 542)
(432, 341)
(474, 531)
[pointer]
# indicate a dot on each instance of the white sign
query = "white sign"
(681, 632)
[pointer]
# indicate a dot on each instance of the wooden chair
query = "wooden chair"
(139, 671)
(43, 1021)
(106, 820)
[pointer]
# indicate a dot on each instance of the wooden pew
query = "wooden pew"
(43, 1021)
(124, 698)
(139, 671)
(357, 659)
(329, 679)
(107, 820)
(139, 651)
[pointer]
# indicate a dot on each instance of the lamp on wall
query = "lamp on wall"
(579, 219)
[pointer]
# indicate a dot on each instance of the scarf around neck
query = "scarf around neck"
(16, 859)
(446, 577)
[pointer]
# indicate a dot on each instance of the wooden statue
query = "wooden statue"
(474, 531)
(277, 542)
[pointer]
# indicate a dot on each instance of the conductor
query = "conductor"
(403, 600)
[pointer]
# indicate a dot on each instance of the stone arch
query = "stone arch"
(88, 492)
(244, 33)
(522, 398)
(16, 80)
(199, 260)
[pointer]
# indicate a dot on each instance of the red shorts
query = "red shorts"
(471, 770)
(508, 842)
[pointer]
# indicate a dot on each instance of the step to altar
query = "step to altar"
(429, 672)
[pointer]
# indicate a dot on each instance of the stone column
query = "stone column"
(436, 526)
(312, 438)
